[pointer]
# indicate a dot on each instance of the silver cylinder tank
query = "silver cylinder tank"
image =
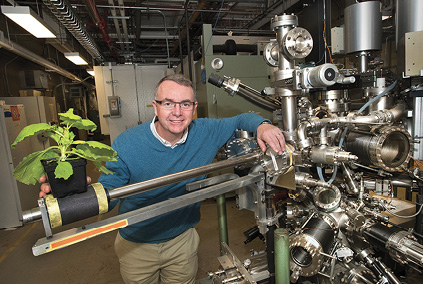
(409, 19)
(363, 27)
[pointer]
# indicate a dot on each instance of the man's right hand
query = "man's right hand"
(45, 186)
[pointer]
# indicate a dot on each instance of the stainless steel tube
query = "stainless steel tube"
(136, 188)
(30, 216)
(289, 113)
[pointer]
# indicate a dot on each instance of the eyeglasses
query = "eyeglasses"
(185, 105)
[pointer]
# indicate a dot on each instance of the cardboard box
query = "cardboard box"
(30, 93)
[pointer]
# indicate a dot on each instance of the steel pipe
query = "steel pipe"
(139, 187)
(31, 216)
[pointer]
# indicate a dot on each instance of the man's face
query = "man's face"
(173, 122)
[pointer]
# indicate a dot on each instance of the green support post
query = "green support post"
(282, 256)
(221, 219)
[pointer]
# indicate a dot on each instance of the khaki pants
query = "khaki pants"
(171, 262)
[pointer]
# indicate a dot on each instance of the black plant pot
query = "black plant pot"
(76, 183)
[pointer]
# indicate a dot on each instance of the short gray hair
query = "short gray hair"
(178, 79)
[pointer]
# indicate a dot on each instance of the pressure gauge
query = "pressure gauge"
(217, 64)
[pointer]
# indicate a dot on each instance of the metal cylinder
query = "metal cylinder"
(389, 150)
(337, 101)
(363, 62)
(385, 102)
(306, 248)
(289, 113)
(150, 184)
(363, 27)
(417, 122)
(32, 215)
(330, 155)
(282, 256)
(323, 75)
(282, 25)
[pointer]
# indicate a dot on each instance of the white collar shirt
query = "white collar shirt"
(163, 141)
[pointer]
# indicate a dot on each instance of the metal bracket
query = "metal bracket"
(45, 218)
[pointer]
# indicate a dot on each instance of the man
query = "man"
(164, 249)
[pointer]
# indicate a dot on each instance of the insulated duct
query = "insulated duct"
(63, 12)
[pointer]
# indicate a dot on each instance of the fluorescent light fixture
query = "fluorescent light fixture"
(75, 58)
(29, 20)
(91, 72)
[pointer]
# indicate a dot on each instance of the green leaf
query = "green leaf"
(71, 136)
(96, 144)
(69, 118)
(31, 130)
(102, 168)
(63, 170)
(30, 169)
(96, 151)
(56, 137)
(85, 124)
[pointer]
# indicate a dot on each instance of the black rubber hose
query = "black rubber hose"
(216, 80)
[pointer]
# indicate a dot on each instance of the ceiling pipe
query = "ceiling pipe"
(124, 26)
(116, 23)
(70, 20)
(187, 26)
(138, 28)
(101, 24)
(31, 56)
(201, 5)
(162, 8)
(137, 22)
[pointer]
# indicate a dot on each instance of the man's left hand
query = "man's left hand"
(273, 136)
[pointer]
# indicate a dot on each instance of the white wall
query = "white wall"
(135, 85)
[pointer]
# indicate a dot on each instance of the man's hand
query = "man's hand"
(273, 136)
(45, 186)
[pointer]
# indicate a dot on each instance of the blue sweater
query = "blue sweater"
(142, 156)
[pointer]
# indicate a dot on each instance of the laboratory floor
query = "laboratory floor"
(94, 260)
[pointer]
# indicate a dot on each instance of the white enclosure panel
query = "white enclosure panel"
(37, 110)
(102, 75)
(135, 86)
(147, 79)
(10, 211)
(125, 88)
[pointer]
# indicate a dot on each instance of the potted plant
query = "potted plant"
(64, 163)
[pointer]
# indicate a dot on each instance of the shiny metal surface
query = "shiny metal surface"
(32, 215)
(298, 43)
(139, 187)
(417, 121)
(363, 27)
(390, 149)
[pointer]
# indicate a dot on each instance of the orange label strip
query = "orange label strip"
(85, 235)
